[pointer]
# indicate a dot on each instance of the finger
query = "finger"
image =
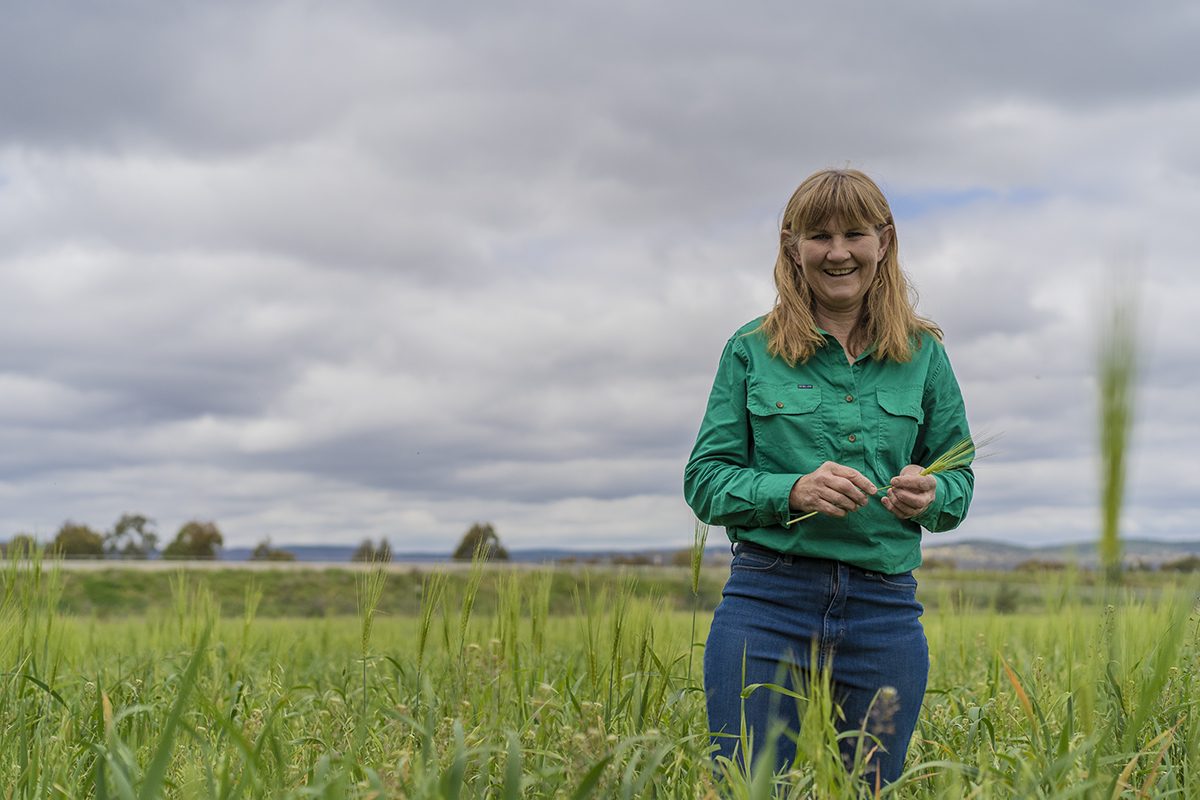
(905, 505)
(910, 503)
(852, 498)
(843, 493)
(913, 483)
(838, 500)
(891, 506)
(829, 509)
(855, 477)
(849, 489)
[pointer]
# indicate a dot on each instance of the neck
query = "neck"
(843, 325)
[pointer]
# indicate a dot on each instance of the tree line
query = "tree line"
(134, 536)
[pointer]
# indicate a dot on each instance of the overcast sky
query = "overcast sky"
(322, 271)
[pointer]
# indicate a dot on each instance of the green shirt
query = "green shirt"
(768, 424)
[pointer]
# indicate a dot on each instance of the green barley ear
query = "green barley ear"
(370, 585)
(699, 541)
(961, 454)
(1116, 371)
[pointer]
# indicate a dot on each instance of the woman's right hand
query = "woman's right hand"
(832, 489)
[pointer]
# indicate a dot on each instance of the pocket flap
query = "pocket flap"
(902, 402)
(767, 399)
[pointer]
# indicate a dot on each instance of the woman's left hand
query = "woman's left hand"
(910, 492)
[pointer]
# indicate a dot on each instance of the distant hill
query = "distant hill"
(982, 554)
(966, 554)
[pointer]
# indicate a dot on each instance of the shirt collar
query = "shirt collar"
(832, 340)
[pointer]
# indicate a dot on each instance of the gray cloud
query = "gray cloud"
(323, 273)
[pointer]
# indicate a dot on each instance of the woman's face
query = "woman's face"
(839, 262)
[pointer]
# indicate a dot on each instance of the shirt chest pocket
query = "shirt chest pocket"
(787, 426)
(899, 425)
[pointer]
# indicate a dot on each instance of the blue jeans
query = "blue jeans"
(778, 610)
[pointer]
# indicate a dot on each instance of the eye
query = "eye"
(855, 234)
(819, 237)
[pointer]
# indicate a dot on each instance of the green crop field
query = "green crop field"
(504, 683)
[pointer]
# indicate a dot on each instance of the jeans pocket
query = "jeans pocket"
(901, 581)
(755, 560)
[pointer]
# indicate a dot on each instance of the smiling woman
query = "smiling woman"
(840, 389)
(840, 262)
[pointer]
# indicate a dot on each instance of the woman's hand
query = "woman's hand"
(910, 492)
(831, 489)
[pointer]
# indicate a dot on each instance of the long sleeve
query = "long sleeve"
(945, 425)
(719, 483)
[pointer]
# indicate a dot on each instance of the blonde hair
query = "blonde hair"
(888, 318)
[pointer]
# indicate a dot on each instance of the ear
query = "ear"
(885, 239)
(786, 241)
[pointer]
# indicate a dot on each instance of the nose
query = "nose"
(837, 249)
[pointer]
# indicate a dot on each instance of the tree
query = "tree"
(367, 551)
(77, 541)
(480, 539)
(264, 552)
(195, 540)
(132, 537)
(21, 545)
(1183, 564)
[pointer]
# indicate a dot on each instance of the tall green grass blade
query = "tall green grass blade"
(511, 790)
(58, 698)
(152, 783)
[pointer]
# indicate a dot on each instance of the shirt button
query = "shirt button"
(852, 437)
(779, 405)
(849, 398)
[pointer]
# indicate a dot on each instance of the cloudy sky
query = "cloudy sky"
(325, 271)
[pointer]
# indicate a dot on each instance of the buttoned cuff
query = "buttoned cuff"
(776, 490)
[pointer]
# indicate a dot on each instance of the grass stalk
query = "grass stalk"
(699, 541)
(1117, 373)
(470, 592)
(370, 591)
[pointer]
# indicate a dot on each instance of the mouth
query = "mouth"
(838, 273)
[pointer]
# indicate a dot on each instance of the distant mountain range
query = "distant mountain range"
(982, 554)
(966, 554)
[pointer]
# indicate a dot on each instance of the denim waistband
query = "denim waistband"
(792, 558)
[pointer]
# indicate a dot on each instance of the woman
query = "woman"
(829, 404)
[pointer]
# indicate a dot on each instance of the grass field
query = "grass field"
(507, 684)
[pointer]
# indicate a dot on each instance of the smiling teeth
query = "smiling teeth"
(840, 272)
